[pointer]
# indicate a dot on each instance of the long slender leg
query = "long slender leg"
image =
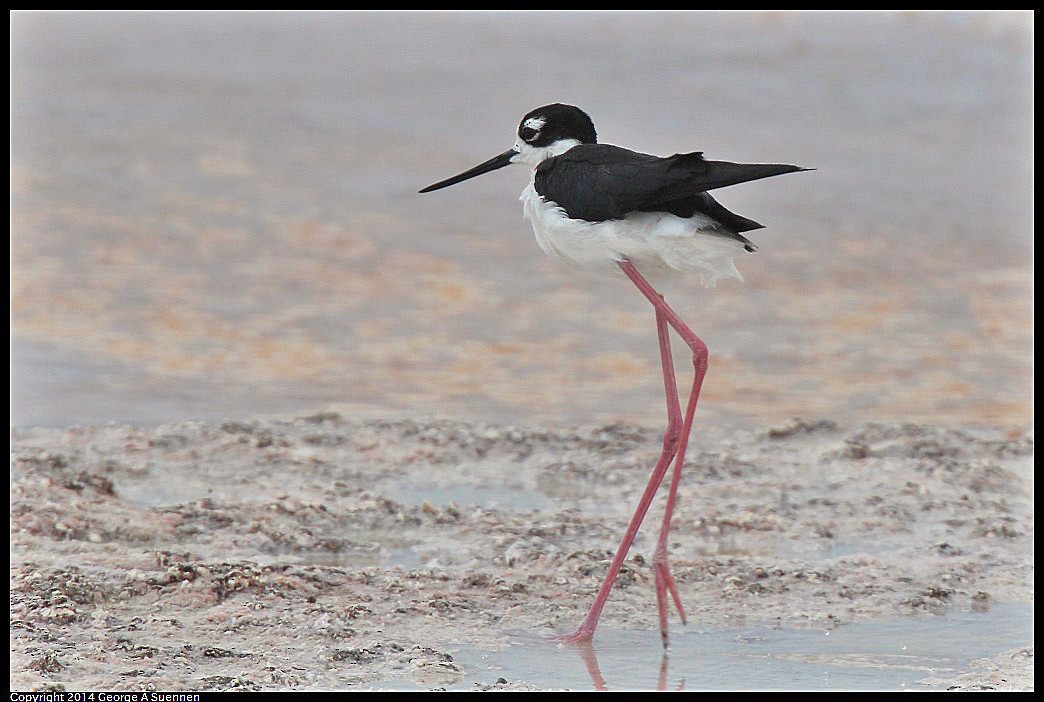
(671, 438)
(661, 567)
(673, 417)
(664, 581)
(672, 441)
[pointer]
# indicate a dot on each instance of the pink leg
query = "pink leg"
(664, 581)
(670, 447)
(674, 442)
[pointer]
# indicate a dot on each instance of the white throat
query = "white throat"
(532, 156)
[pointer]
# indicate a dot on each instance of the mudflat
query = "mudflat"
(321, 552)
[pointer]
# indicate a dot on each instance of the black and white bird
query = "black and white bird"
(607, 208)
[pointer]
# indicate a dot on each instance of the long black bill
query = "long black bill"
(490, 165)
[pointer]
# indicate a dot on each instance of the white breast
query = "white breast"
(659, 244)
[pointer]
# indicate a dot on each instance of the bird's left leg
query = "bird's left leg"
(664, 580)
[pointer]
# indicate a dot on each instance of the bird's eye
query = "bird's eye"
(528, 133)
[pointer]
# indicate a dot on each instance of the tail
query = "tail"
(701, 174)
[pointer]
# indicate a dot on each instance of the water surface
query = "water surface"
(909, 654)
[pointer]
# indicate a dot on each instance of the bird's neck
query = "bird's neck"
(533, 156)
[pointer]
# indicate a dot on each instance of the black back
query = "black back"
(596, 182)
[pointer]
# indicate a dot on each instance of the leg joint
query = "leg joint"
(700, 355)
(672, 437)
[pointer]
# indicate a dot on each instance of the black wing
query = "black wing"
(705, 204)
(596, 182)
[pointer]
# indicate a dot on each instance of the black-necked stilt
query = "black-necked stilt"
(605, 207)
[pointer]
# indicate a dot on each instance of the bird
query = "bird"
(606, 208)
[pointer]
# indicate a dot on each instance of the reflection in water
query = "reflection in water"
(903, 653)
(589, 656)
(590, 659)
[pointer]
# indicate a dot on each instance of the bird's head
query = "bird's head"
(543, 133)
(552, 130)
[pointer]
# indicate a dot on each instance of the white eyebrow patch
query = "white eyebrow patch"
(535, 123)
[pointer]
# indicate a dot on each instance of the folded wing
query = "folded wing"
(596, 182)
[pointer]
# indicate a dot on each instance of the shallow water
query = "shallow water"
(896, 654)
(216, 215)
(495, 496)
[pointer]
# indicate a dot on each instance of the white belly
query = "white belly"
(658, 244)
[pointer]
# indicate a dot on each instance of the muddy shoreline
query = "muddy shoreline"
(322, 552)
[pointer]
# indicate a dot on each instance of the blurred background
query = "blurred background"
(215, 215)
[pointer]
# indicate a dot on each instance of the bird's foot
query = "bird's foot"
(665, 584)
(581, 635)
